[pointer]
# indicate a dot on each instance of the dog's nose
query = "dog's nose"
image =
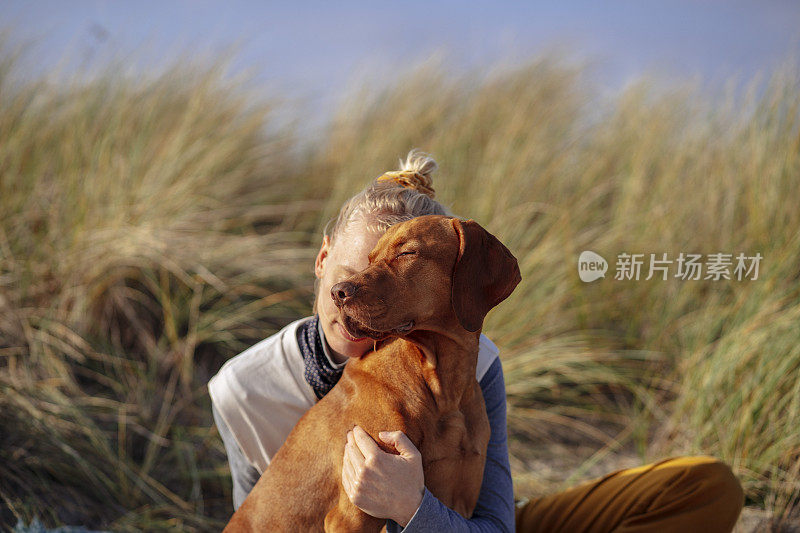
(341, 292)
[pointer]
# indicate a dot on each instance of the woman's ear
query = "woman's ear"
(322, 255)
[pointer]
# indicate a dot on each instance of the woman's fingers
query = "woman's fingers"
(366, 445)
(348, 474)
(352, 480)
(379, 483)
(401, 443)
(352, 450)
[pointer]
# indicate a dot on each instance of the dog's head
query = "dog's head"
(430, 272)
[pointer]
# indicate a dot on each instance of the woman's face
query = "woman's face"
(348, 255)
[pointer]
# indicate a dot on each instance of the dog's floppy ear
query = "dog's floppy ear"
(484, 275)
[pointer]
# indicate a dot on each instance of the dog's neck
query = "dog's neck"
(448, 362)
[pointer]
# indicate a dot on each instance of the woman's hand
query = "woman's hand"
(382, 484)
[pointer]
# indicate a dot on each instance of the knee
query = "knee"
(717, 480)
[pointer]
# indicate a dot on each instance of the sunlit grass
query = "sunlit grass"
(151, 229)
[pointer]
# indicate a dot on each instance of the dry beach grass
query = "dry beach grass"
(150, 229)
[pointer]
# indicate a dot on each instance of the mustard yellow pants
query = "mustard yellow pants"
(680, 494)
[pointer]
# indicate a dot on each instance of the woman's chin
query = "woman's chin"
(347, 350)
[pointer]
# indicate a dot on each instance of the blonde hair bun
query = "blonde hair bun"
(414, 173)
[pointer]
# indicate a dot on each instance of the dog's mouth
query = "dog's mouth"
(358, 330)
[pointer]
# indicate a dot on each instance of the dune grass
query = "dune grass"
(150, 229)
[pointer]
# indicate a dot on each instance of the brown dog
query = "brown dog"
(423, 297)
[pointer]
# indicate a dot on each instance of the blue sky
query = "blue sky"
(313, 48)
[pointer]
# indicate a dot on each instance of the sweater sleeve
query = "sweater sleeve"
(495, 508)
(243, 474)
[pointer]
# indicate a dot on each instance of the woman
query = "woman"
(259, 395)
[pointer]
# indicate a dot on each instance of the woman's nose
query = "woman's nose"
(341, 292)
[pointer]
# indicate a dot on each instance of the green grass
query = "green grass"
(152, 228)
